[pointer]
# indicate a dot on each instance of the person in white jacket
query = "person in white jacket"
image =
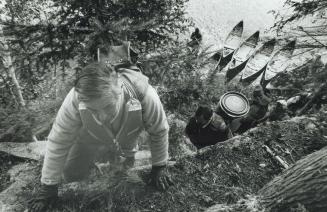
(104, 112)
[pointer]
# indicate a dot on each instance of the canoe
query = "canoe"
(278, 63)
(232, 42)
(242, 55)
(257, 62)
(245, 50)
(233, 39)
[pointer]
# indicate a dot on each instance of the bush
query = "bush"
(16, 125)
(304, 78)
(180, 74)
(179, 144)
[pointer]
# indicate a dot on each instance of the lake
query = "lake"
(215, 18)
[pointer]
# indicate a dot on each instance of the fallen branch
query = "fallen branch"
(276, 157)
(31, 150)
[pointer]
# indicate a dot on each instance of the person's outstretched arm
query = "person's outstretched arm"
(60, 139)
(156, 124)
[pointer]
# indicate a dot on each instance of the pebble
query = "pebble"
(263, 165)
(310, 126)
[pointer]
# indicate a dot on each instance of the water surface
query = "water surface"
(215, 18)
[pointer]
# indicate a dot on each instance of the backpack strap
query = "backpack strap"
(120, 68)
(132, 90)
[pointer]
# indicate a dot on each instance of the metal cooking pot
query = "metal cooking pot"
(233, 105)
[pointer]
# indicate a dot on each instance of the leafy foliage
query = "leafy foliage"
(307, 21)
(43, 37)
(60, 30)
(181, 75)
(301, 9)
(16, 125)
(307, 77)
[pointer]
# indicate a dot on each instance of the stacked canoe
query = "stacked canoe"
(232, 42)
(258, 61)
(242, 55)
(251, 62)
(278, 63)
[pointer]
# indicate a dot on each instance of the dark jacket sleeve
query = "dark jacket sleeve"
(218, 124)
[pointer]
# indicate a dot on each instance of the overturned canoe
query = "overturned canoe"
(232, 42)
(242, 55)
(278, 63)
(258, 61)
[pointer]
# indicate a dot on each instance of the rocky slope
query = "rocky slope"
(224, 173)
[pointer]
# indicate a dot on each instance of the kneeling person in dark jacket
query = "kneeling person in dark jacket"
(207, 128)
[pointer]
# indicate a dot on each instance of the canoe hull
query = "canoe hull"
(258, 62)
(233, 72)
(278, 63)
(225, 60)
(241, 56)
(233, 40)
(245, 50)
(249, 80)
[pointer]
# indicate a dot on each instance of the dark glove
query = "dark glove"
(159, 177)
(46, 195)
(129, 162)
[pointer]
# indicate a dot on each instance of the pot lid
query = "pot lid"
(234, 104)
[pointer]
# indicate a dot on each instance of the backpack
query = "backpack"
(122, 56)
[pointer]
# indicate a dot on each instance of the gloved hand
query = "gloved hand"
(129, 162)
(46, 195)
(159, 177)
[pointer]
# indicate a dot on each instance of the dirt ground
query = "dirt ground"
(7, 161)
(224, 173)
